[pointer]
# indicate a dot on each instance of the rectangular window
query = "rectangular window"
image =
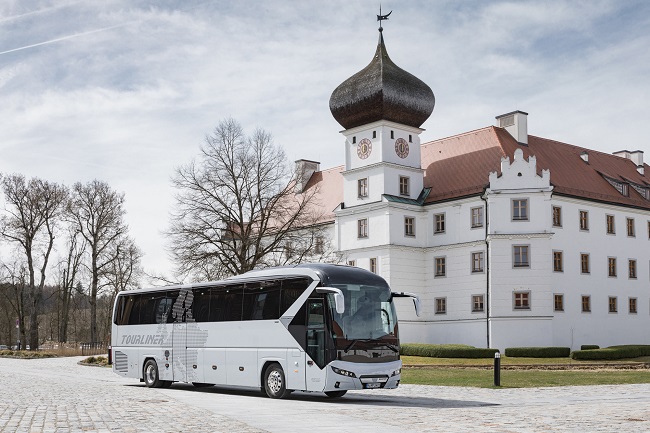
(362, 187)
(352, 262)
(558, 302)
(584, 263)
(631, 266)
(632, 304)
(558, 261)
(584, 220)
(441, 266)
(520, 209)
(441, 305)
(557, 216)
(439, 223)
(374, 134)
(477, 217)
(404, 185)
(354, 139)
(520, 256)
(586, 304)
(409, 226)
(410, 138)
(477, 303)
(522, 300)
(613, 307)
(477, 262)
(392, 134)
(373, 265)
(318, 247)
(611, 266)
(611, 228)
(630, 227)
(362, 228)
(648, 229)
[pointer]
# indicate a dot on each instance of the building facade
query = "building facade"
(509, 239)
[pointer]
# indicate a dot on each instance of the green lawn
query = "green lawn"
(517, 378)
(521, 378)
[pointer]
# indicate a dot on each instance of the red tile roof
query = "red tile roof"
(459, 166)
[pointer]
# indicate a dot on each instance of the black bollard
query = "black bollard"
(497, 369)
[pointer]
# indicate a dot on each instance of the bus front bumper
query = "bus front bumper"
(351, 375)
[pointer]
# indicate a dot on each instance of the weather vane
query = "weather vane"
(381, 17)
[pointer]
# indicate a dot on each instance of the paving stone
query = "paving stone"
(57, 395)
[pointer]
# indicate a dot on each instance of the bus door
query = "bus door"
(316, 345)
(182, 307)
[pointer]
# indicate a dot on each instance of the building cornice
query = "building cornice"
(509, 236)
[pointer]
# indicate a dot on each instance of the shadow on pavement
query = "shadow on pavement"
(348, 399)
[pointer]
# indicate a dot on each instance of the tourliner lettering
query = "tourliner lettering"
(142, 339)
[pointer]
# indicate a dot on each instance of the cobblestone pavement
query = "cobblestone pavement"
(57, 395)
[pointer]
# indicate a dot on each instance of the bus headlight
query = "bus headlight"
(396, 372)
(343, 372)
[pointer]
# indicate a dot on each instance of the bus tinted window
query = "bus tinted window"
(262, 300)
(291, 290)
(134, 317)
(226, 303)
(201, 305)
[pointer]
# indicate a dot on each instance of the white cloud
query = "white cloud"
(130, 103)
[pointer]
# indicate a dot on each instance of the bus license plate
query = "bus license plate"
(372, 385)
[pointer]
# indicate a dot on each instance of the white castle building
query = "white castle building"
(509, 239)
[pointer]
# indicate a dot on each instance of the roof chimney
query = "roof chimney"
(585, 156)
(516, 123)
(636, 156)
(304, 171)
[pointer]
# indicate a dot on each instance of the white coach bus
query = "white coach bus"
(316, 327)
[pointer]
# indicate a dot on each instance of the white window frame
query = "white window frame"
(409, 223)
(405, 181)
(476, 220)
(362, 228)
(516, 216)
(362, 187)
(481, 260)
(443, 273)
(443, 220)
(514, 256)
(523, 293)
(372, 266)
(473, 306)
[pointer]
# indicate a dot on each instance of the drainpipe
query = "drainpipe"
(487, 270)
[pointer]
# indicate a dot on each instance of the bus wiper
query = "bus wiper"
(390, 346)
(355, 342)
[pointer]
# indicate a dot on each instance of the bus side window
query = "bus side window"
(201, 305)
(171, 297)
(134, 316)
(148, 306)
(292, 288)
(226, 303)
(262, 301)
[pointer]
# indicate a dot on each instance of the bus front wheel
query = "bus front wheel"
(274, 382)
(151, 378)
(335, 394)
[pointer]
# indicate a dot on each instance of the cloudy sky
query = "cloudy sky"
(126, 90)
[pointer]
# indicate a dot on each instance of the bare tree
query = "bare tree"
(12, 286)
(34, 209)
(98, 212)
(69, 276)
(236, 208)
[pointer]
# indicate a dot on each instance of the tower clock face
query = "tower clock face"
(364, 148)
(401, 148)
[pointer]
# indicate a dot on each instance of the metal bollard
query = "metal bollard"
(497, 369)
(110, 355)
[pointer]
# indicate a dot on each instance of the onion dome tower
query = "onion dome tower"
(382, 91)
(382, 108)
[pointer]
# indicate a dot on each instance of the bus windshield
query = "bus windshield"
(367, 330)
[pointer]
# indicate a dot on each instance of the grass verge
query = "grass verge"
(505, 360)
(521, 378)
(100, 361)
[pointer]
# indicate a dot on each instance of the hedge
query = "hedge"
(613, 352)
(538, 352)
(446, 351)
(589, 347)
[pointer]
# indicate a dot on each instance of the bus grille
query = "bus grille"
(121, 362)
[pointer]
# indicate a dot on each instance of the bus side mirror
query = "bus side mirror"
(416, 299)
(339, 301)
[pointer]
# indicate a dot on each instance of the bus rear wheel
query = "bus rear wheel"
(335, 394)
(275, 385)
(150, 373)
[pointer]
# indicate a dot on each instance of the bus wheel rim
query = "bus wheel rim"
(275, 381)
(150, 373)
